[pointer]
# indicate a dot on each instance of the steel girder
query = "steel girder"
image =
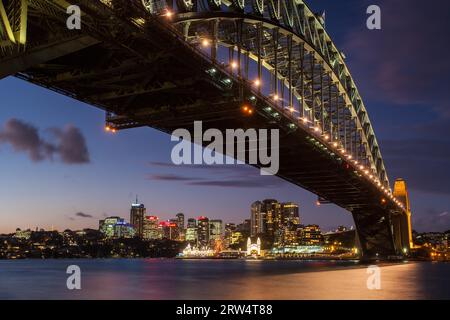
(293, 20)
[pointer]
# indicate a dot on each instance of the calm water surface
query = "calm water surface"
(220, 279)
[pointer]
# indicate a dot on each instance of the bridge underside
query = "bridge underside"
(155, 79)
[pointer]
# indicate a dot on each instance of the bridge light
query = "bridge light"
(318, 203)
(349, 156)
(276, 97)
(292, 109)
(257, 82)
(107, 128)
(234, 65)
(169, 14)
(113, 130)
(250, 111)
(305, 120)
(205, 42)
(326, 137)
(383, 201)
(316, 129)
(335, 144)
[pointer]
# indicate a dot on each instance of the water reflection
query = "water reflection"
(221, 279)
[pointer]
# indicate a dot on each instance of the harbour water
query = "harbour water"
(220, 279)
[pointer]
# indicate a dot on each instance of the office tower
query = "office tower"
(191, 231)
(169, 230)
(180, 220)
(229, 229)
(288, 235)
(273, 216)
(215, 230)
(137, 215)
(290, 213)
(151, 229)
(180, 223)
(203, 231)
(257, 219)
(116, 227)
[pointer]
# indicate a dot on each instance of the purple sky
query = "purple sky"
(60, 168)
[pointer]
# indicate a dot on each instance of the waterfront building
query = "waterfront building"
(253, 248)
(195, 252)
(311, 235)
(137, 215)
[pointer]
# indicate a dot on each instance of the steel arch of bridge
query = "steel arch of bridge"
(151, 70)
(286, 38)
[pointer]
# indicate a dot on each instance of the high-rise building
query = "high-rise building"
(290, 213)
(215, 230)
(180, 223)
(151, 229)
(137, 215)
(203, 231)
(116, 227)
(257, 219)
(191, 231)
(273, 217)
(169, 230)
(229, 229)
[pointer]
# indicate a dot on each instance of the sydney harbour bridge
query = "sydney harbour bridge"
(227, 63)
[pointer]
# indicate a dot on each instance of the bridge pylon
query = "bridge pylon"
(403, 221)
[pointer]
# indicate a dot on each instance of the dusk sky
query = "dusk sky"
(60, 168)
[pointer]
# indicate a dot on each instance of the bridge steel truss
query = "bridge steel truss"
(152, 70)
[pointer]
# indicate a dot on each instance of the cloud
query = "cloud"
(83, 215)
(225, 176)
(24, 137)
(239, 183)
(71, 145)
(170, 177)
